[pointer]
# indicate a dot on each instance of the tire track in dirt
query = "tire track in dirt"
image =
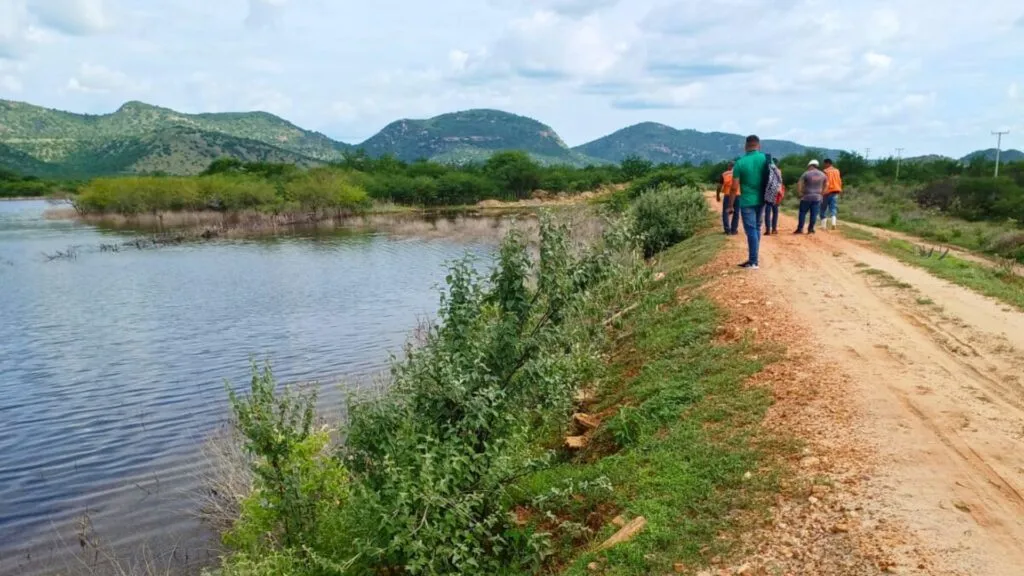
(934, 395)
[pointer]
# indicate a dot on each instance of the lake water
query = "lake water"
(112, 365)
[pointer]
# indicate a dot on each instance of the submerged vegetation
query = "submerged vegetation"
(349, 185)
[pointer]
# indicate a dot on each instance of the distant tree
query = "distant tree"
(224, 165)
(514, 171)
(634, 167)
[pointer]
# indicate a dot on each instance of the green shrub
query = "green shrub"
(298, 484)
(428, 466)
(324, 190)
(665, 176)
(668, 215)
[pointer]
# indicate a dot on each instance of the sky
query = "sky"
(928, 76)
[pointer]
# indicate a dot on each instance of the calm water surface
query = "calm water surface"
(112, 365)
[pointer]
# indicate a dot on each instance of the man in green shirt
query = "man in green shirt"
(748, 181)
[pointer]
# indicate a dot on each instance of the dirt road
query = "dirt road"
(909, 393)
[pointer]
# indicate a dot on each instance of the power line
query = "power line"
(999, 146)
(899, 160)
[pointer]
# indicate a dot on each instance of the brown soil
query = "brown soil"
(912, 413)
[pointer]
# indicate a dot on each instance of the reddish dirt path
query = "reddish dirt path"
(911, 402)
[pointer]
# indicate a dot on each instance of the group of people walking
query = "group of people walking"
(751, 190)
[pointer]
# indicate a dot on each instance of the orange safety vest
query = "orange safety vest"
(727, 183)
(835, 180)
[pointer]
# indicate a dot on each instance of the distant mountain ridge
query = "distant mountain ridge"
(1010, 155)
(142, 138)
(660, 143)
(471, 135)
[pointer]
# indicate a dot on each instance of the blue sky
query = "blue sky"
(931, 76)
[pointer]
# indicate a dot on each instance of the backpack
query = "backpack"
(772, 179)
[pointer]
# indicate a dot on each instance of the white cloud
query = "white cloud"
(10, 83)
(264, 13)
(568, 7)
(75, 17)
(878, 61)
(13, 23)
(546, 45)
(98, 79)
(663, 98)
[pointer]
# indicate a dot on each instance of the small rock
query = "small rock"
(748, 476)
(576, 442)
(593, 566)
(746, 302)
(659, 276)
(745, 570)
(619, 521)
(679, 567)
(812, 500)
(840, 528)
(587, 421)
(810, 462)
(625, 533)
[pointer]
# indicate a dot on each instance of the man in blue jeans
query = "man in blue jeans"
(748, 181)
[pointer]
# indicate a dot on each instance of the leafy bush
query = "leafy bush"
(667, 216)
(324, 189)
(664, 176)
(297, 483)
(428, 467)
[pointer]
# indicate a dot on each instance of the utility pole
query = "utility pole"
(867, 153)
(899, 160)
(999, 146)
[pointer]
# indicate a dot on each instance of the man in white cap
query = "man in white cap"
(810, 188)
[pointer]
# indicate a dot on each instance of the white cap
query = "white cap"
(812, 163)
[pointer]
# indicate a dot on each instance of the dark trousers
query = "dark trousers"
(811, 208)
(731, 203)
(771, 217)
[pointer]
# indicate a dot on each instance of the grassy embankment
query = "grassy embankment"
(999, 280)
(464, 465)
(894, 208)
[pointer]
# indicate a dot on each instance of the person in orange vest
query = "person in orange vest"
(833, 188)
(728, 199)
(771, 211)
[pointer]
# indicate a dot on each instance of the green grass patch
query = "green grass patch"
(854, 233)
(885, 280)
(926, 301)
(998, 282)
(894, 208)
(680, 431)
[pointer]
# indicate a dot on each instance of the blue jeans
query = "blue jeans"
(806, 206)
(729, 203)
(771, 217)
(830, 206)
(752, 216)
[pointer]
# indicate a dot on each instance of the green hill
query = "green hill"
(660, 143)
(55, 136)
(990, 155)
(175, 150)
(472, 135)
(22, 163)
